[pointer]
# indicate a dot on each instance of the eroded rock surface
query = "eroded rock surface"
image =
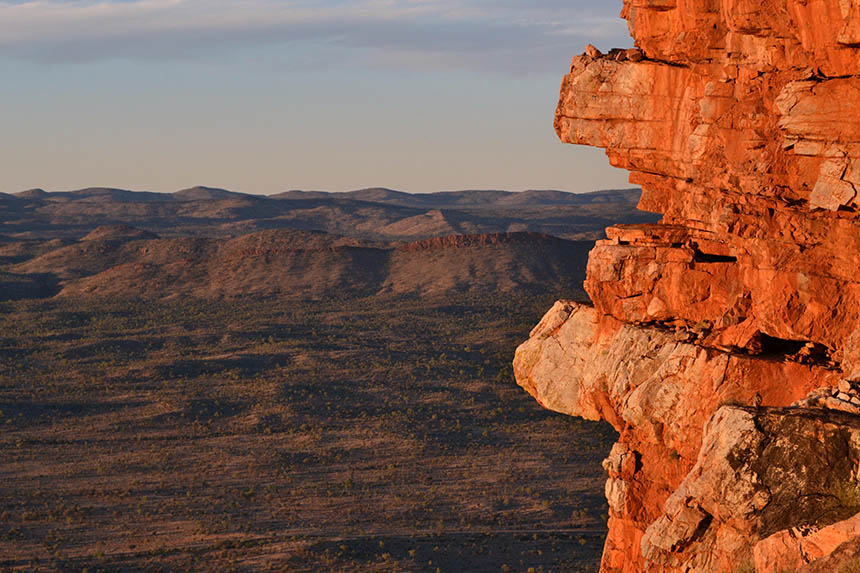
(723, 342)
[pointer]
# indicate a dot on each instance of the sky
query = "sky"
(264, 96)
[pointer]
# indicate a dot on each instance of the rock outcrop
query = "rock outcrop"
(722, 342)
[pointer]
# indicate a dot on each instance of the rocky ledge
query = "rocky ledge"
(724, 342)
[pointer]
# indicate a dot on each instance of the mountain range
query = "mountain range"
(213, 243)
(375, 214)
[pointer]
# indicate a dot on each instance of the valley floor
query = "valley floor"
(359, 434)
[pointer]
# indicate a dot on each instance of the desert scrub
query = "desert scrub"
(847, 496)
(357, 416)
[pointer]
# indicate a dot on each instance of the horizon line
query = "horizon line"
(41, 190)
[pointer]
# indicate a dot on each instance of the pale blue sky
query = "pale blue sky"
(263, 95)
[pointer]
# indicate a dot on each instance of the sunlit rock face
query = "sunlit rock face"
(722, 342)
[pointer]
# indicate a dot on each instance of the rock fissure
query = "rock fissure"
(723, 341)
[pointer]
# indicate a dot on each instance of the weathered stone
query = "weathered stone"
(841, 560)
(616, 495)
(592, 51)
(760, 471)
(659, 394)
(831, 191)
(634, 55)
(740, 119)
(790, 549)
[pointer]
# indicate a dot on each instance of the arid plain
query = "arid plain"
(204, 381)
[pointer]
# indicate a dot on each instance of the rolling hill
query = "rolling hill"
(374, 214)
(122, 262)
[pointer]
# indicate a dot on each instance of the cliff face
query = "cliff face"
(722, 342)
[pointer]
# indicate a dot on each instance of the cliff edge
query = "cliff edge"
(724, 342)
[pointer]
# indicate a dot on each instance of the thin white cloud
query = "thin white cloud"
(504, 34)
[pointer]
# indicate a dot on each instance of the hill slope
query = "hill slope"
(123, 263)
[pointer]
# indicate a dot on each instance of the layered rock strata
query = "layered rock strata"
(722, 343)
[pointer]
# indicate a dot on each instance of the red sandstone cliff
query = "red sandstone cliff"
(723, 342)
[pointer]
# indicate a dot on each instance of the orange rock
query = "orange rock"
(790, 549)
(658, 393)
(740, 119)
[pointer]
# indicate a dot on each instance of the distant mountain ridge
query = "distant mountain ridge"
(469, 197)
(208, 242)
(374, 214)
(370, 194)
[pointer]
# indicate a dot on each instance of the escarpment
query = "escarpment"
(723, 342)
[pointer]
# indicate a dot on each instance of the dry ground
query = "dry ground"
(375, 434)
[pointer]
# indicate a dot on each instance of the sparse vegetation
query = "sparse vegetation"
(841, 501)
(352, 434)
